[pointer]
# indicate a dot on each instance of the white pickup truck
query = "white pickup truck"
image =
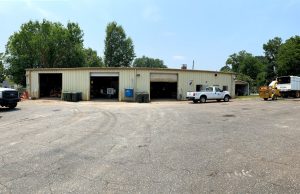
(210, 93)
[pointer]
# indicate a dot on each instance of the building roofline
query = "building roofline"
(127, 68)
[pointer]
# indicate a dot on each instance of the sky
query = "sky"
(178, 32)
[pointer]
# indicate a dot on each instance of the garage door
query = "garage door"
(104, 74)
(163, 77)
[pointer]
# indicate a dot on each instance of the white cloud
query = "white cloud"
(178, 57)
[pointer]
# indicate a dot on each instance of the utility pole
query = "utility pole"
(193, 65)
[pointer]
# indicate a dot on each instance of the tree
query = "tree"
(226, 68)
(119, 49)
(148, 62)
(271, 49)
(248, 67)
(92, 59)
(44, 45)
(244, 63)
(288, 58)
(2, 70)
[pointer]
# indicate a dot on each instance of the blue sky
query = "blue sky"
(177, 32)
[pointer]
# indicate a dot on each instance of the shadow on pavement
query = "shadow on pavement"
(9, 110)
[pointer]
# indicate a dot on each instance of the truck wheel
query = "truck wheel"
(265, 99)
(297, 94)
(226, 98)
(202, 99)
(12, 106)
(195, 101)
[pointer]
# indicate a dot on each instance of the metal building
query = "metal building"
(96, 83)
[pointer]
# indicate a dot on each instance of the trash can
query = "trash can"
(146, 98)
(67, 96)
(75, 97)
(64, 97)
(142, 97)
(79, 96)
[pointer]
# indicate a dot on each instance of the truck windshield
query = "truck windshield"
(284, 80)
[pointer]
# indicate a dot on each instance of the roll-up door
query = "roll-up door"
(104, 74)
(163, 77)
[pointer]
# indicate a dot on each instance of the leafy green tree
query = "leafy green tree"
(226, 68)
(244, 63)
(271, 49)
(119, 49)
(2, 70)
(44, 45)
(148, 62)
(92, 59)
(288, 58)
(248, 67)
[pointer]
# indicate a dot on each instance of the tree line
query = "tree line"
(279, 59)
(49, 44)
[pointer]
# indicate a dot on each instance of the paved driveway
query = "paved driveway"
(244, 146)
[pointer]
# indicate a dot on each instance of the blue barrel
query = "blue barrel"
(129, 93)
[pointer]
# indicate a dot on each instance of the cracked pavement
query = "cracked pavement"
(244, 146)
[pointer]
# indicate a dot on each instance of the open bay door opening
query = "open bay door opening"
(104, 85)
(163, 85)
(50, 85)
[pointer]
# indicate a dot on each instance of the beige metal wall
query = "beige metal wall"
(188, 81)
(77, 81)
(184, 78)
(142, 81)
(138, 79)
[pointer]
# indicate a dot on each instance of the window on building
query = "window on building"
(225, 88)
(199, 88)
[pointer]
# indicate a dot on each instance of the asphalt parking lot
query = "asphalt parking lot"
(244, 146)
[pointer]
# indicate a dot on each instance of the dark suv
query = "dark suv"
(9, 97)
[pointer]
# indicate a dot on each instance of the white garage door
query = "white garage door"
(104, 74)
(163, 77)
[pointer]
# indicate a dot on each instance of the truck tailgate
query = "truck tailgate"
(190, 94)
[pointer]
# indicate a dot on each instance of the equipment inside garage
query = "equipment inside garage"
(50, 84)
(241, 88)
(163, 86)
(104, 85)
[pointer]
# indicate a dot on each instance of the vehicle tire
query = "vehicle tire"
(265, 99)
(202, 99)
(12, 106)
(297, 94)
(226, 98)
(195, 101)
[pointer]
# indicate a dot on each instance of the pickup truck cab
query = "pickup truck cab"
(210, 93)
(9, 97)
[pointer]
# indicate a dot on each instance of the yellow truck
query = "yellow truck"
(270, 91)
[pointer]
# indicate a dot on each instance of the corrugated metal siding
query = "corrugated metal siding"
(143, 81)
(126, 81)
(34, 84)
(198, 78)
(77, 81)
